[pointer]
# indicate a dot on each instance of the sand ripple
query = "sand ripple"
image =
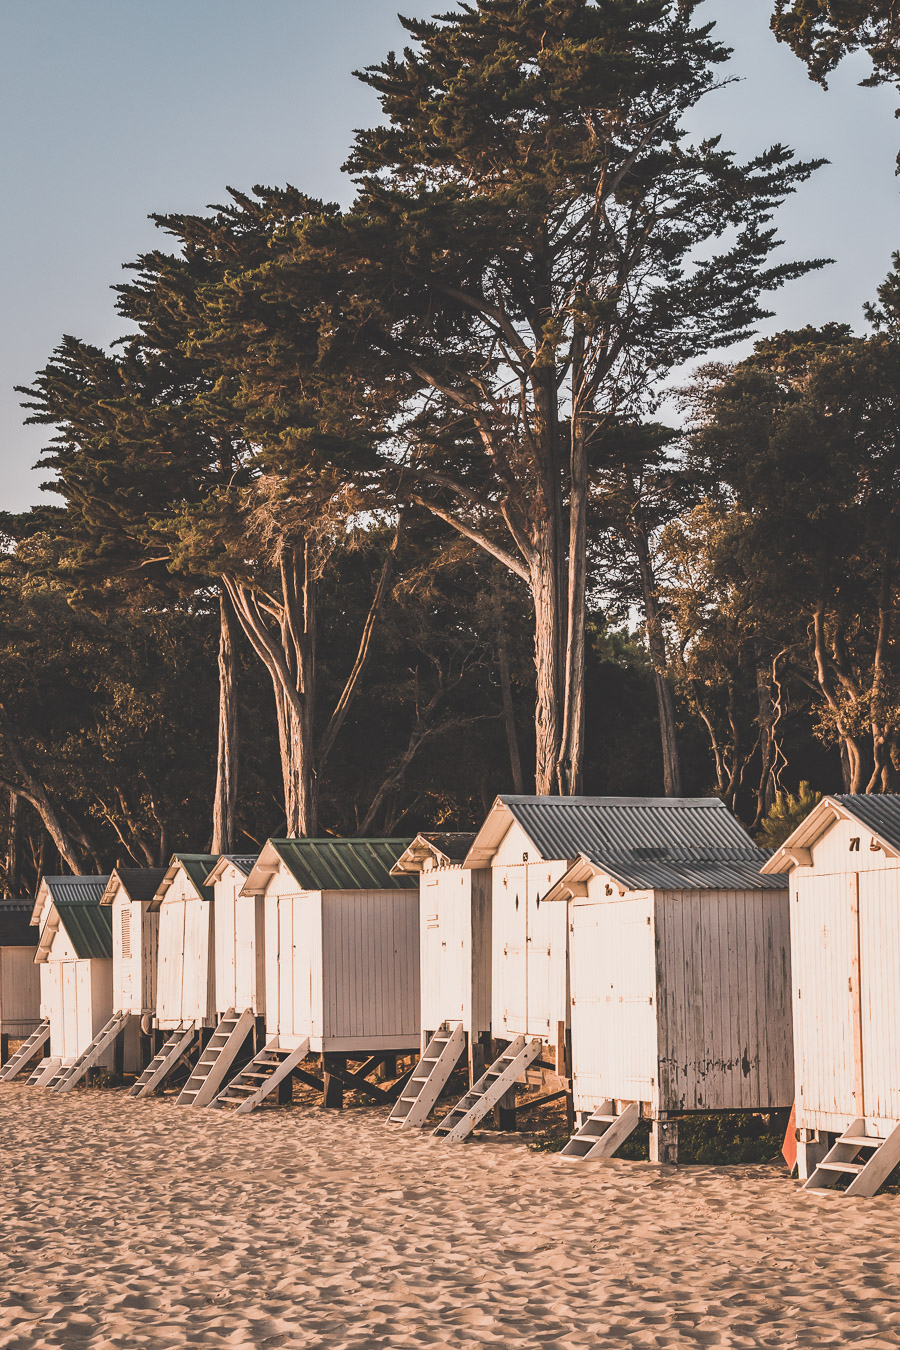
(142, 1224)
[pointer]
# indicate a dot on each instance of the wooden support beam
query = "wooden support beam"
(352, 1079)
(542, 1101)
(310, 1079)
(334, 1067)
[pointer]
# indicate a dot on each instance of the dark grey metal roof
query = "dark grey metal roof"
(879, 812)
(15, 924)
(345, 864)
(75, 890)
(454, 845)
(141, 883)
(659, 843)
(242, 861)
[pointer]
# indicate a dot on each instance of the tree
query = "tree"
(123, 464)
(804, 438)
(535, 242)
(823, 32)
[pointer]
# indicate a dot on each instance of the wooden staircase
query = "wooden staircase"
(429, 1076)
(603, 1132)
(259, 1079)
(69, 1074)
(165, 1061)
(25, 1053)
(46, 1069)
(507, 1069)
(217, 1058)
(867, 1158)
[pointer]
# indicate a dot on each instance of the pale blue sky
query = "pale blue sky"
(111, 109)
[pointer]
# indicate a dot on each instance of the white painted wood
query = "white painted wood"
(26, 1052)
(507, 1069)
(239, 944)
(845, 937)
(185, 985)
(216, 1058)
(341, 968)
(529, 941)
(430, 1076)
(20, 992)
(135, 932)
(76, 996)
(165, 1061)
(603, 1133)
(259, 1079)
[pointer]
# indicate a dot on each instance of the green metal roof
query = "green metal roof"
(198, 867)
(345, 864)
(88, 925)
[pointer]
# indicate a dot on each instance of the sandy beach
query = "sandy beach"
(138, 1223)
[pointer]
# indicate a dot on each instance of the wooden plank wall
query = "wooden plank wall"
(879, 962)
(371, 989)
(20, 992)
(186, 966)
(724, 1000)
(445, 946)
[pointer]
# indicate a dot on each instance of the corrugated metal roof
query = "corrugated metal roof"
(453, 844)
(75, 890)
(879, 812)
(242, 861)
(88, 924)
(15, 924)
(662, 843)
(140, 883)
(345, 864)
(198, 867)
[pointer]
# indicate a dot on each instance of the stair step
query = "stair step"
(423, 1088)
(863, 1140)
(840, 1167)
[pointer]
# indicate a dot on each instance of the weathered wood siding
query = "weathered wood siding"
(77, 997)
(613, 999)
(239, 944)
(845, 937)
(455, 947)
(342, 967)
(185, 979)
(20, 992)
(529, 942)
(723, 1000)
(134, 933)
(371, 987)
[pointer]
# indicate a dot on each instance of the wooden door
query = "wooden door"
(69, 976)
(285, 964)
(823, 941)
(511, 949)
(879, 981)
(538, 944)
(129, 940)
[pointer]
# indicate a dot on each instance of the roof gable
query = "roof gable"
(643, 843)
(138, 883)
(444, 848)
(335, 864)
(879, 813)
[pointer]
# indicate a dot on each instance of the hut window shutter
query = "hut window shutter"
(126, 934)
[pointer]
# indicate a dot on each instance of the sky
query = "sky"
(112, 110)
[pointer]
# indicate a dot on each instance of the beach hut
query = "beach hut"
(129, 893)
(843, 863)
(239, 929)
(455, 964)
(74, 955)
(341, 964)
(185, 986)
(20, 987)
(639, 934)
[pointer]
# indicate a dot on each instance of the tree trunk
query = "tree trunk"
(227, 753)
(12, 845)
(570, 764)
(656, 642)
(545, 597)
(34, 791)
(509, 721)
(765, 792)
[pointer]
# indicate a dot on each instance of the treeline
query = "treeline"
(368, 516)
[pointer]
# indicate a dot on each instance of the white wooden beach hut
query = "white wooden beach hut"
(20, 985)
(129, 893)
(640, 931)
(75, 958)
(341, 961)
(455, 962)
(843, 862)
(186, 1005)
(239, 927)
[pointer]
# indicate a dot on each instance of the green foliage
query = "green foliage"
(822, 32)
(789, 810)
